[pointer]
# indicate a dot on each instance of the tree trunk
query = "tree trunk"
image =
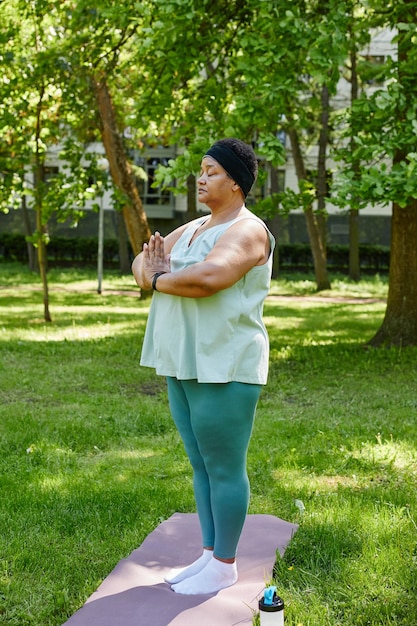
(42, 262)
(316, 242)
(133, 214)
(41, 228)
(354, 260)
(399, 327)
(124, 261)
(33, 265)
(321, 166)
(274, 223)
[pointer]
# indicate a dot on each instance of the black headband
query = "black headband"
(234, 166)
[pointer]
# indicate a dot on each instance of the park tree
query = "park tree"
(386, 149)
(359, 74)
(96, 63)
(32, 122)
(306, 48)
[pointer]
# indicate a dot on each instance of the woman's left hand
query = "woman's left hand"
(154, 259)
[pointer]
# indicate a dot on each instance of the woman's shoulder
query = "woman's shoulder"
(246, 219)
(245, 224)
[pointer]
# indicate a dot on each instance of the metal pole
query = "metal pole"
(100, 246)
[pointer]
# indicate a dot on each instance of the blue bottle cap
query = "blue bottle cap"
(270, 602)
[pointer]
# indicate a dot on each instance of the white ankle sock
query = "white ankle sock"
(216, 575)
(178, 574)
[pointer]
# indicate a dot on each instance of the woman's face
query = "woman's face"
(214, 185)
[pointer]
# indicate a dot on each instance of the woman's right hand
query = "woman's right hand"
(152, 261)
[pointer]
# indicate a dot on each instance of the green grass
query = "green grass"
(90, 462)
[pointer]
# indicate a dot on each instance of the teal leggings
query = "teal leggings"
(215, 423)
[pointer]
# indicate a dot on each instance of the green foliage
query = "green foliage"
(284, 202)
(380, 161)
(272, 148)
(182, 73)
(37, 117)
(178, 169)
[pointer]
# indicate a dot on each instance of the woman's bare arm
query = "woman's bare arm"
(241, 247)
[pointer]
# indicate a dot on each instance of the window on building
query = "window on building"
(50, 172)
(157, 202)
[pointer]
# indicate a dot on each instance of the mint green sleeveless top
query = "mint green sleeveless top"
(217, 339)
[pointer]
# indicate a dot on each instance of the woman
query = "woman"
(205, 334)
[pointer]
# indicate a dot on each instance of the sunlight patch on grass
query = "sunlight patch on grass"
(282, 354)
(395, 454)
(63, 312)
(113, 458)
(325, 338)
(294, 285)
(53, 476)
(375, 286)
(299, 479)
(100, 330)
(283, 322)
(53, 483)
(133, 454)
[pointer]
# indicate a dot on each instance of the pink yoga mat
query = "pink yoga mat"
(135, 594)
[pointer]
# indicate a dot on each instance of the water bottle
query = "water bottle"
(271, 608)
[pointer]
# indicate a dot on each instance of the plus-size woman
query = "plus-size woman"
(205, 334)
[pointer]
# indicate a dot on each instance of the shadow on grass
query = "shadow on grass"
(345, 560)
(311, 322)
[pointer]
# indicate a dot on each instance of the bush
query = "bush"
(13, 247)
(82, 251)
(298, 256)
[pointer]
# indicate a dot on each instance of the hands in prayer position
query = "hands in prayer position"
(154, 259)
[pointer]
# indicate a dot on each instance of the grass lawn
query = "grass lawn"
(90, 462)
